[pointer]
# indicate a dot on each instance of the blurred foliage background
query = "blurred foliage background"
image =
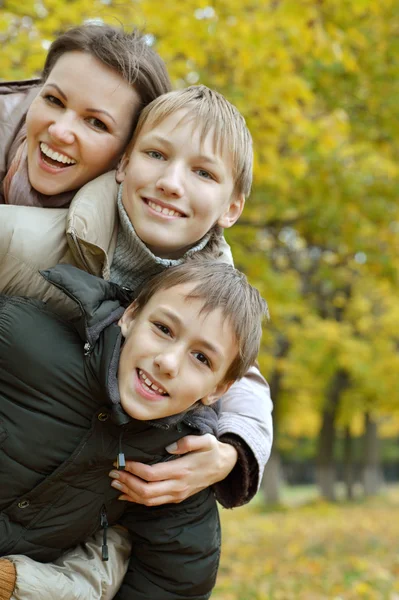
(318, 83)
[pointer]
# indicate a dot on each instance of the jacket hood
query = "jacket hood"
(100, 302)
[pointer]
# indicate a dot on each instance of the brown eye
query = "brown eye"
(202, 358)
(53, 100)
(97, 123)
(163, 328)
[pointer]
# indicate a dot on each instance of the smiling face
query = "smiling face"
(79, 124)
(173, 355)
(177, 186)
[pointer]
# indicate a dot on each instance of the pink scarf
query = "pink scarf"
(17, 188)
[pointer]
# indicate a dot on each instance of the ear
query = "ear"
(127, 318)
(232, 212)
(217, 393)
(121, 168)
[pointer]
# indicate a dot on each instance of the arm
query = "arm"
(79, 574)
(246, 419)
(236, 461)
(175, 551)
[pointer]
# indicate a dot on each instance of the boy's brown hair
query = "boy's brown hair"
(222, 286)
(210, 111)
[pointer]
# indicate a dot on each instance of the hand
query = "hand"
(206, 461)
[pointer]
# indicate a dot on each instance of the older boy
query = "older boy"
(119, 383)
(185, 177)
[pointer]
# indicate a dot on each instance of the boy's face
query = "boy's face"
(173, 355)
(177, 188)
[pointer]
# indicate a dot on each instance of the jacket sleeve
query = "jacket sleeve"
(33, 239)
(79, 574)
(15, 99)
(175, 550)
(246, 423)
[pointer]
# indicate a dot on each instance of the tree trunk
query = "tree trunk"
(348, 464)
(325, 470)
(372, 477)
(272, 478)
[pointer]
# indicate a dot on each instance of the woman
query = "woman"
(74, 132)
(95, 81)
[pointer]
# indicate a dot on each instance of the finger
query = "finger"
(139, 490)
(192, 443)
(152, 473)
(152, 501)
(152, 494)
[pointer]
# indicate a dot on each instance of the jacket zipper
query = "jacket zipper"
(104, 525)
(79, 251)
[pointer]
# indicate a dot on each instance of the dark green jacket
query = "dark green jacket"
(61, 429)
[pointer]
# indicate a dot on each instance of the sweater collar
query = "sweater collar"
(131, 250)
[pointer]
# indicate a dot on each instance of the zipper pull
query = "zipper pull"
(87, 348)
(104, 525)
(120, 459)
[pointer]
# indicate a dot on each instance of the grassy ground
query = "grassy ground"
(311, 550)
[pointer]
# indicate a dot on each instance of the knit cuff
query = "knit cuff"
(240, 485)
(8, 577)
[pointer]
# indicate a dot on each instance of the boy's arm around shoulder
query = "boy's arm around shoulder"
(175, 550)
(79, 574)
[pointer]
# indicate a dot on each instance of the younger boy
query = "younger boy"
(119, 383)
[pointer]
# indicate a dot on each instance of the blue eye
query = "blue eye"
(204, 174)
(155, 154)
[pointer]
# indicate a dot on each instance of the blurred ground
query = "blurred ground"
(311, 550)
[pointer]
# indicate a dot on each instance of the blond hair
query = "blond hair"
(222, 286)
(210, 112)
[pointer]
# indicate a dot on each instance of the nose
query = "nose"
(62, 129)
(170, 181)
(168, 362)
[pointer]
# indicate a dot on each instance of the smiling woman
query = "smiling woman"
(76, 125)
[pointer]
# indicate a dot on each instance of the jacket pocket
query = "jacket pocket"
(73, 517)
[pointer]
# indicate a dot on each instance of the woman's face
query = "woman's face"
(79, 124)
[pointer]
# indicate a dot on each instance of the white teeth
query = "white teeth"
(47, 151)
(149, 383)
(164, 211)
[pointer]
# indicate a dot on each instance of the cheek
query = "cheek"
(136, 175)
(100, 155)
(34, 120)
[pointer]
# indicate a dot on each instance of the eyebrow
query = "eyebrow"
(94, 110)
(205, 343)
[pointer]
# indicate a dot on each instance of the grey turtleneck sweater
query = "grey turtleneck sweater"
(133, 263)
